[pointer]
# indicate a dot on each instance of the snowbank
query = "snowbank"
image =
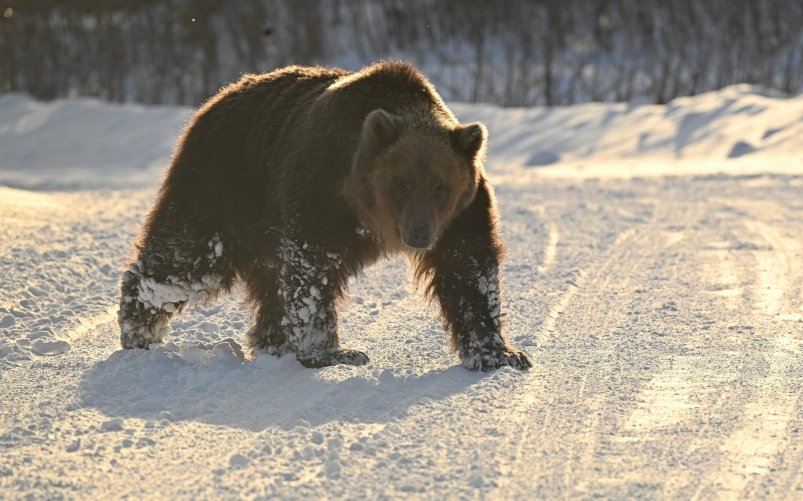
(85, 143)
(739, 128)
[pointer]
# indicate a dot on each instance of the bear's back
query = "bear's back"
(229, 148)
(237, 127)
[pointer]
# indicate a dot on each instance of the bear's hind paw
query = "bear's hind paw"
(142, 337)
(493, 360)
(325, 359)
(352, 357)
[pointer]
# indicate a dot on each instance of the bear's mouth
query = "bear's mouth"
(419, 238)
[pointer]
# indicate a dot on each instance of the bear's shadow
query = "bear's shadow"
(158, 384)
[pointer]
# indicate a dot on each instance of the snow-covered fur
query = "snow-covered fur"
(295, 180)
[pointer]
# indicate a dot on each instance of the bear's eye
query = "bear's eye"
(440, 190)
(401, 187)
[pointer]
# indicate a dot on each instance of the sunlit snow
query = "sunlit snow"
(653, 275)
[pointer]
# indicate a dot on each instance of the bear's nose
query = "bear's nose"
(420, 237)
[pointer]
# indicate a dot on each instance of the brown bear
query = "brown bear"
(295, 180)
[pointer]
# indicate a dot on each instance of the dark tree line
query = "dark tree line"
(510, 52)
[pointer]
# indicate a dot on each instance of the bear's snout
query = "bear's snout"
(417, 225)
(419, 237)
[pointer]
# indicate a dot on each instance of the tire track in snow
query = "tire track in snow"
(728, 285)
(773, 270)
(61, 343)
(551, 319)
(634, 360)
(88, 325)
(553, 237)
(621, 430)
(549, 254)
(599, 296)
(667, 399)
(749, 454)
(776, 273)
(697, 390)
(686, 399)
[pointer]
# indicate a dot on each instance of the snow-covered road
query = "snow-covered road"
(663, 314)
(664, 317)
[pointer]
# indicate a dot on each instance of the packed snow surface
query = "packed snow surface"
(653, 275)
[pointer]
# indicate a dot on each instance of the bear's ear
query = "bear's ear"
(381, 128)
(470, 139)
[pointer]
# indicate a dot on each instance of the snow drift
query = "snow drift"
(85, 143)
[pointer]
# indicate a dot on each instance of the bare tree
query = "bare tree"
(511, 52)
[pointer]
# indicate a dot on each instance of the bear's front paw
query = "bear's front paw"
(486, 361)
(315, 360)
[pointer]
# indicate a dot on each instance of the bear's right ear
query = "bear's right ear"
(470, 139)
(380, 129)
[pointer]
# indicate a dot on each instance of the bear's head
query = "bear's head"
(409, 180)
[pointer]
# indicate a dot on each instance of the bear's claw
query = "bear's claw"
(325, 359)
(488, 361)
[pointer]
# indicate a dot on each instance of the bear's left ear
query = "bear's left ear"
(381, 128)
(470, 139)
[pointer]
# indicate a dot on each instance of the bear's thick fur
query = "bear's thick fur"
(295, 180)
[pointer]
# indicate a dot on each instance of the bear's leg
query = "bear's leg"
(464, 269)
(469, 296)
(266, 333)
(141, 323)
(310, 282)
(168, 274)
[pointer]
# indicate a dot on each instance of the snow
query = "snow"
(652, 275)
(740, 129)
(54, 145)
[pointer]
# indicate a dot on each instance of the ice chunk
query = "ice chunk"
(50, 347)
